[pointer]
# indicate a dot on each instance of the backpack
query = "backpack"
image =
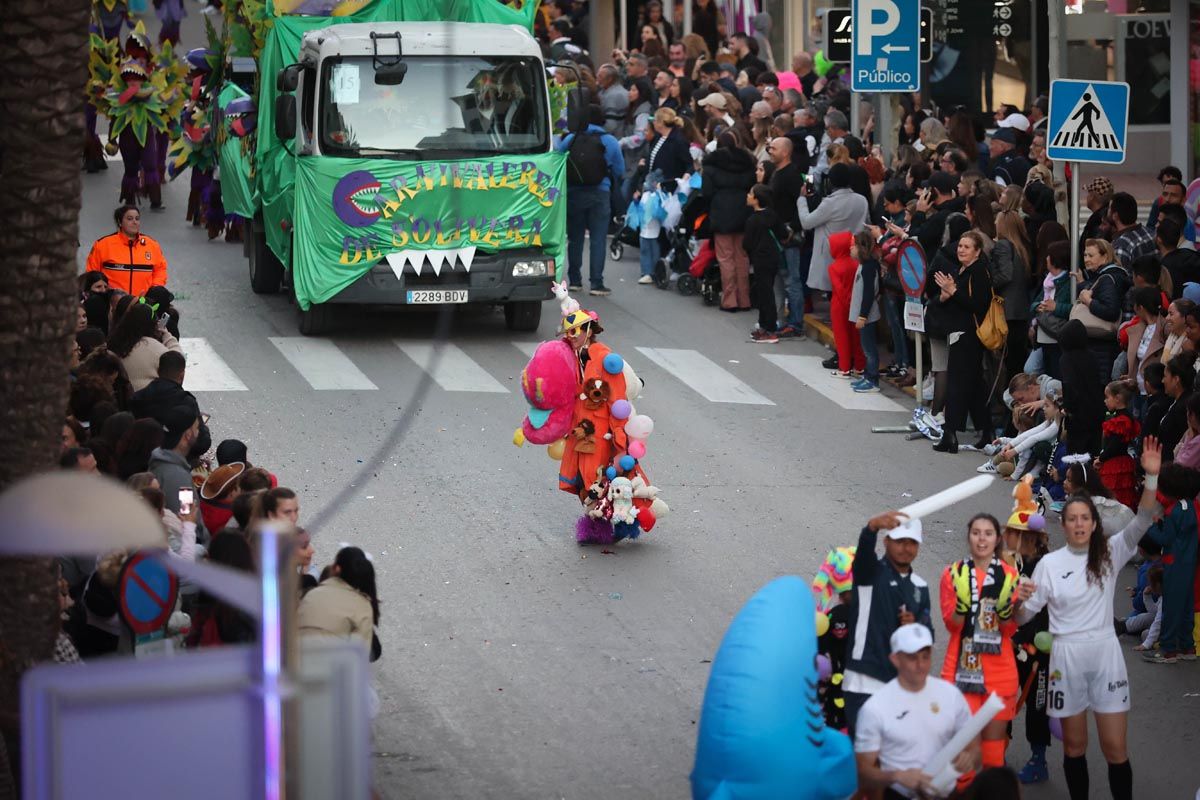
(585, 160)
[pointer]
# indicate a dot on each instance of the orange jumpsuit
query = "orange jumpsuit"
(131, 265)
(586, 449)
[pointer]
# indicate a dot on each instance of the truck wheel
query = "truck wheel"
(266, 272)
(318, 319)
(523, 316)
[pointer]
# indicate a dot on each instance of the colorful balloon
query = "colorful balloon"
(621, 409)
(637, 448)
(646, 519)
(824, 667)
(639, 426)
(822, 624)
(519, 437)
(610, 473)
(626, 463)
(1056, 728)
(1043, 640)
(613, 364)
(555, 449)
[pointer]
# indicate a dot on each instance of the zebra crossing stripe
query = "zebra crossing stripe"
(322, 364)
(808, 370)
(452, 369)
(528, 348)
(704, 377)
(207, 371)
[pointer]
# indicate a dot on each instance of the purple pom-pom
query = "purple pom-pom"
(1037, 522)
(589, 530)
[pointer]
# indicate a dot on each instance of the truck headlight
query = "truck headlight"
(531, 269)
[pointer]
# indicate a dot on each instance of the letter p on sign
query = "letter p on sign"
(881, 18)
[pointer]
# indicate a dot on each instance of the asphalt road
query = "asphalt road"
(516, 663)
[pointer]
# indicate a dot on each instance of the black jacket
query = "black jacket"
(1172, 427)
(726, 175)
(969, 303)
(1184, 267)
(673, 159)
(786, 184)
(1012, 168)
(763, 239)
(1109, 288)
(1083, 396)
(928, 228)
(877, 594)
(158, 399)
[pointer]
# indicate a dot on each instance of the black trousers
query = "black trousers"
(1017, 348)
(1037, 724)
(965, 390)
(763, 295)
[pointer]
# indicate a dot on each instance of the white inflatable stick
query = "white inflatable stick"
(947, 497)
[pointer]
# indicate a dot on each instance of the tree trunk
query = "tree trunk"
(43, 69)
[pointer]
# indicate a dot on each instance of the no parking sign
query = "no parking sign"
(911, 267)
(146, 593)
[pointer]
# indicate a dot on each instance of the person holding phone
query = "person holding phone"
(139, 340)
(169, 463)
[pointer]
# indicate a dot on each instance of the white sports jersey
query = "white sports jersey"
(1079, 610)
(908, 729)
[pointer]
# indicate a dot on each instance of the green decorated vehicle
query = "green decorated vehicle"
(403, 156)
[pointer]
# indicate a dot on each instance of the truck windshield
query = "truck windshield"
(447, 106)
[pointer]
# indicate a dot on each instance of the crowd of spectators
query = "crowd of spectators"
(131, 420)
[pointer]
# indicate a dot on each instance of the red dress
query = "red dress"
(1118, 470)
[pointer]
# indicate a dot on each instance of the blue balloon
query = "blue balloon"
(626, 463)
(610, 473)
(762, 731)
(613, 364)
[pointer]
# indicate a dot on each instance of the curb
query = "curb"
(818, 331)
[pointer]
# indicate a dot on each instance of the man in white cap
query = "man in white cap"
(907, 722)
(886, 594)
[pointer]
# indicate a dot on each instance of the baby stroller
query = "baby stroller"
(624, 237)
(704, 274)
(681, 246)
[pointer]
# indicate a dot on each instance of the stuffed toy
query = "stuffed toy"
(549, 382)
(620, 496)
(568, 304)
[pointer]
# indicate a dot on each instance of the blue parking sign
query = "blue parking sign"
(1087, 121)
(885, 52)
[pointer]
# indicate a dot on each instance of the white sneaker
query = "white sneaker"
(645, 279)
(987, 468)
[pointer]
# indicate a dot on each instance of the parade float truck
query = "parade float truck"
(402, 163)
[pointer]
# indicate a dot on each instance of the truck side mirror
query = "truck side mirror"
(285, 117)
(577, 108)
(288, 78)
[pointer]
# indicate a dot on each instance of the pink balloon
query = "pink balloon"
(1056, 728)
(824, 667)
(621, 409)
(637, 449)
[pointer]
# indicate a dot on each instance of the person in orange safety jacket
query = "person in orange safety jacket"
(132, 261)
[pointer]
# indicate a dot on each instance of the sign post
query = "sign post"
(885, 46)
(146, 594)
(911, 268)
(1087, 123)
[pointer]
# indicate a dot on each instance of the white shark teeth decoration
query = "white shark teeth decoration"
(436, 258)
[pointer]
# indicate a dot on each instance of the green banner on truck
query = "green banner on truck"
(351, 213)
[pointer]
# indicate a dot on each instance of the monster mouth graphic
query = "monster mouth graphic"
(354, 199)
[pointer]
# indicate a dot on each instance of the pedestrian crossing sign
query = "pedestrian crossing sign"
(1088, 121)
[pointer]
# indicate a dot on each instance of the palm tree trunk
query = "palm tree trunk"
(43, 68)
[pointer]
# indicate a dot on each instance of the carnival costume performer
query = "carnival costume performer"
(593, 429)
(108, 18)
(978, 594)
(141, 98)
(1025, 542)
